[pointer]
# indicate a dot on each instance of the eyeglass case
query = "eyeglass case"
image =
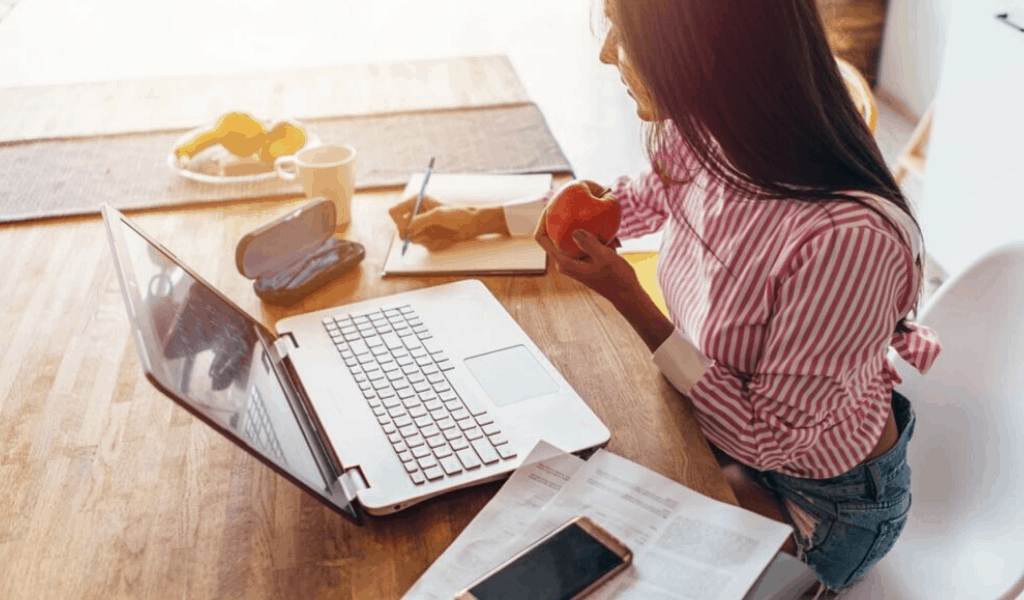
(297, 254)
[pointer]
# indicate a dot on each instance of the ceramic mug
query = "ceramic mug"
(327, 171)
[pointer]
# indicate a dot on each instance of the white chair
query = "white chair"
(964, 537)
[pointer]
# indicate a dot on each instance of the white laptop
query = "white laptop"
(372, 406)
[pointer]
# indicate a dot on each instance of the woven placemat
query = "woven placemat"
(52, 178)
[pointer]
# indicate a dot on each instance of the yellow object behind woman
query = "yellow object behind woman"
(646, 266)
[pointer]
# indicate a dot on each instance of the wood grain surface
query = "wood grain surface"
(112, 491)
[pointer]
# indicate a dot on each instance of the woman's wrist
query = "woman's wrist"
(643, 314)
(491, 219)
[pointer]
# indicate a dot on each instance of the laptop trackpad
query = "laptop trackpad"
(510, 375)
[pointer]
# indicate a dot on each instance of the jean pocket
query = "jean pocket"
(888, 532)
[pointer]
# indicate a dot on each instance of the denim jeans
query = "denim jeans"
(843, 525)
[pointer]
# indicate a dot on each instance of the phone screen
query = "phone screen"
(557, 569)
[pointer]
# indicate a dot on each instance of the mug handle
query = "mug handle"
(281, 165)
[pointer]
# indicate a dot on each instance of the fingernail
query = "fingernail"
(578, 235)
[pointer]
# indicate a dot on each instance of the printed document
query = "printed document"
(685, 545)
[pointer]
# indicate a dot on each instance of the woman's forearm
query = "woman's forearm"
(647, 320)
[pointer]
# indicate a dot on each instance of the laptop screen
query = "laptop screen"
(213, 359)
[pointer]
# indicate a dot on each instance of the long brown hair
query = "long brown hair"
(754, 89)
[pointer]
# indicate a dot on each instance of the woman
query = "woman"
(789, 262)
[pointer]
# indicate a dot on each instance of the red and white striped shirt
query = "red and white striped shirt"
(781, 341)
(793, 319)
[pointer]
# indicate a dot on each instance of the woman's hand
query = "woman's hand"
(601, 268)
(604, 271)
(438, 226)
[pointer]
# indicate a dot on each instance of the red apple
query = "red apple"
(582, 204)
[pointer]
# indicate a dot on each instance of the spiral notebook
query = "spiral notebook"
(486, 255)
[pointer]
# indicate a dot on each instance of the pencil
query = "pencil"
(419, 202)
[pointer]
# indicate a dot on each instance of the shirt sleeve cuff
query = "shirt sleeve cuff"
(680, 361)
(521, 215)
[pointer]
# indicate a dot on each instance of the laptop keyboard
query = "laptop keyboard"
(402, 373)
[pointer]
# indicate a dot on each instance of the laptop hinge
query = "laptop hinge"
(351, 482)
(282, 346)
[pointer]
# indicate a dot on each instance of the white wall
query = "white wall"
(972, 194)
(912, 49)
(914, 42)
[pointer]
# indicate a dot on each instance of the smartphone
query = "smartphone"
(566, 564)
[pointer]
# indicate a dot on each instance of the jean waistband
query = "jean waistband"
(867, 478)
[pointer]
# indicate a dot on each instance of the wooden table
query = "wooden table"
(111, 490)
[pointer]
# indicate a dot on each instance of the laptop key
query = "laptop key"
(427, 461)
(433, 473)
(451, 465)
(468, 458)
(498, 440)
(411, 466)
(420, 451)
(486, 452)
(418, 478)
(460, 443)
(391, 340)
(506, 451)
(443, 451)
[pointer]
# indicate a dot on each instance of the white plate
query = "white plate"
(204, 166)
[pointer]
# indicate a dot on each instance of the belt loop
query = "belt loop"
(876, 480)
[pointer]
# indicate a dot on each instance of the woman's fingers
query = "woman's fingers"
(402, 211)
